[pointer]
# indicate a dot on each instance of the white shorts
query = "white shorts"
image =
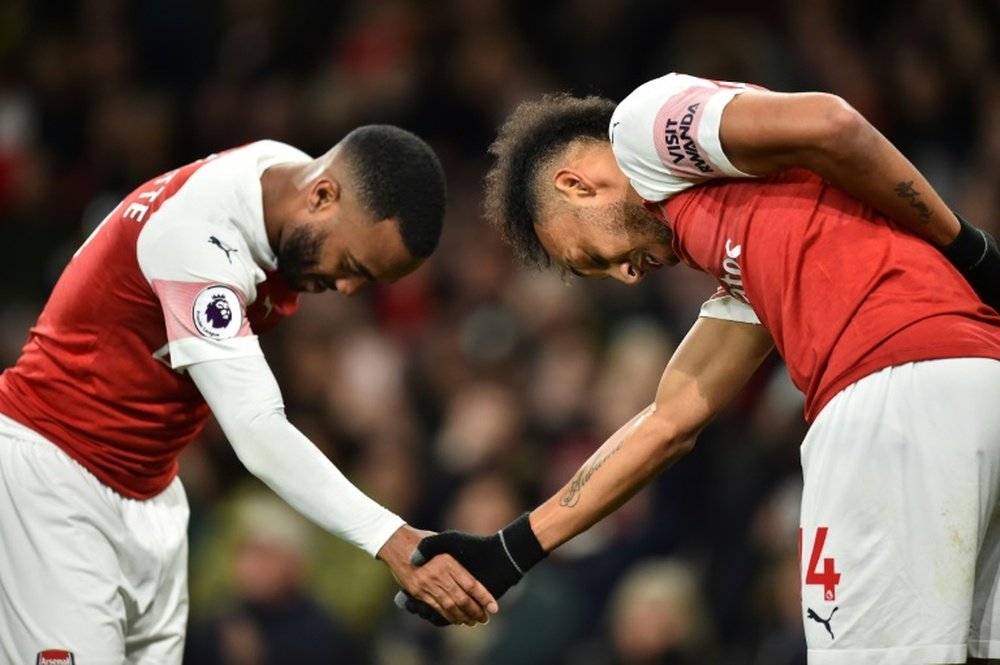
(84, 570)
(900, 522)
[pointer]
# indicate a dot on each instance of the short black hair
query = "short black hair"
(398, 176)
(534, 132)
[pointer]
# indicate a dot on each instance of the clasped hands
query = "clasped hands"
(442, 593)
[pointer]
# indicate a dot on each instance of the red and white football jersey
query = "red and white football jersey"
(843, 290)
(180, 272)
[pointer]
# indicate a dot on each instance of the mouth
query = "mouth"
(666, 258)
(649, 263)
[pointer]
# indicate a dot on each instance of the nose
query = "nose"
(627, 273)
(349, 285)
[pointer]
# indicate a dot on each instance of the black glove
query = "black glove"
(405, 601)
(974, 252)
(498, 561)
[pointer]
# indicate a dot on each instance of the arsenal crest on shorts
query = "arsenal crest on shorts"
(55, 657)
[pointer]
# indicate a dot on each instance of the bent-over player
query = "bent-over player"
(154, 324)
(829, 245)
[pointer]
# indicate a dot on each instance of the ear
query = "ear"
(323, 193)
(574, 183)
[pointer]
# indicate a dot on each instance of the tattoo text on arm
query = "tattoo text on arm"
(905, 190)
(583, 476)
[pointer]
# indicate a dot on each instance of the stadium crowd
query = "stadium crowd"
(462, 394)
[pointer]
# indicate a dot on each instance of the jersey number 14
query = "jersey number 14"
(828, 577)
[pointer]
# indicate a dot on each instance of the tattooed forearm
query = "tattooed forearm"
(572, 496)
(905, 190)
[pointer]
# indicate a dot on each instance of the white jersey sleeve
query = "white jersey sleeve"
(665, 134)
(726, 307)
(205, 278)
(246, 401)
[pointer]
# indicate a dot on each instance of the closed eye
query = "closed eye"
(592, 264)
(357, 268)
(597, 262)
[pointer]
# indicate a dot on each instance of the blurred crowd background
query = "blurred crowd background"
(466, 393)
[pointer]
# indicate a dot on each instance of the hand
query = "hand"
(443, 586)
(976, 255)
(498, 561)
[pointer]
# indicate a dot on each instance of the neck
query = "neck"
(277, 188)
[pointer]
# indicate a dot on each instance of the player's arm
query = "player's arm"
(710, 366)
(247, 403)
(191, 277)
(763, 132)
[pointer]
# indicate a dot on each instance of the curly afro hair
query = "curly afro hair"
(536, 132)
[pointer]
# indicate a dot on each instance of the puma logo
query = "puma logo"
(826, 622)
(223, 246)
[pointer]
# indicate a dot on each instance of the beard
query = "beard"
(298, 256)
(629, 218)
(637, 219)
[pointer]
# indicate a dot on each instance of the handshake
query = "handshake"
(498, 561)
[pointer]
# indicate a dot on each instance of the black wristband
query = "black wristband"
(521, 544)
(968, 248)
